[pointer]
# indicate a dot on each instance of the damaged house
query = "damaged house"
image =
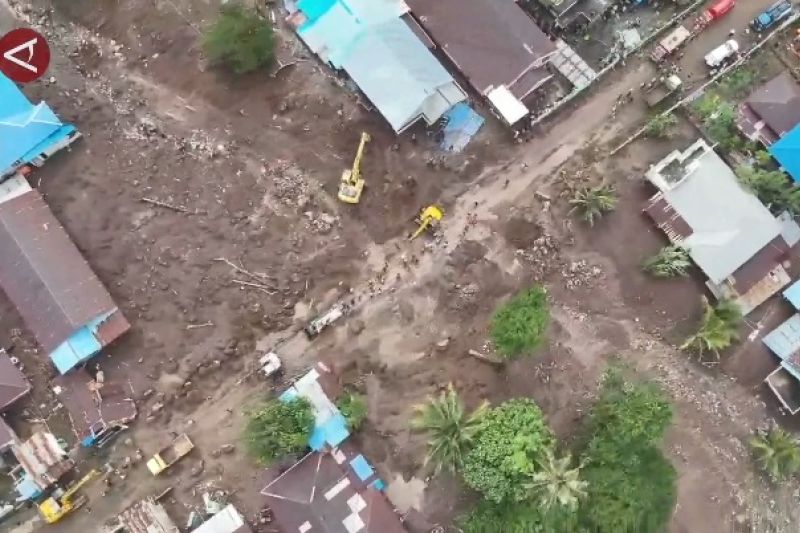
(13, 387)
(43, 274)
(378, 50)
(98, 409)
(730, 235)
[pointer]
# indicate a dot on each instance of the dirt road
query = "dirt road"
(258, 172)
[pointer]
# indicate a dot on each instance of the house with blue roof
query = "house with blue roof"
(786, 151)
(29, 134)
(369, 41)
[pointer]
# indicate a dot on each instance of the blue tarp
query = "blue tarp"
(787, 153)
(26, 130)
(362, 468)
(792, 294)
(462, 124)
(27, 489)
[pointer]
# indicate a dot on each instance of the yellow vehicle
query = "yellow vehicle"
(57, 506)
(428, 218)
(352, 184)
(170, 455)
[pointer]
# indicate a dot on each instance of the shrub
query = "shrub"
(240, 39)
(671, 261)
(661, 126)
(772, 187)
(354, 409)
(520, 324)
(512, 438)
(777, 453)
(593, 202)
(718, 328)
(277, 429)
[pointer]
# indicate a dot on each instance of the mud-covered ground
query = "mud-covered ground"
(255, 162)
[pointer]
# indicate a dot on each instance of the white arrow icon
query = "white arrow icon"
(10, 55)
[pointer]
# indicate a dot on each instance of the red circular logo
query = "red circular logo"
(24, 55)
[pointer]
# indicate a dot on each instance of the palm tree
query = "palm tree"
(557, 483)
(777, 453)
(669, 262)
(718, 328)
(593, 202)
(450, 429)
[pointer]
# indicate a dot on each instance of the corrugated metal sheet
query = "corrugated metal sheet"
(784, 341)
(792, 294)
(381, 54)
(147, 516)
(42, 458)
(229, 520)
(26, 130)
(44, 274)
(7, 436)
(787, 152)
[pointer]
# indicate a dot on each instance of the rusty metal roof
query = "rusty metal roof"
(44, 274)
(147, 516)
(492, 42)
(13, 384)
(110, 405)
(42, 458)
(776, 104)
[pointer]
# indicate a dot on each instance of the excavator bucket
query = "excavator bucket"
(427, 218)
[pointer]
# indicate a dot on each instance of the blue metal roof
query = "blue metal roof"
(784, 341)
(792, 294)
(381, 54)
(787, 152)
(462, 124)
(26, 130)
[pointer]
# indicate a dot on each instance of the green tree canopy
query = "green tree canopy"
(519, 325)
(631, 486)
(629, 413)
(593, 202)
(772, 187)
(718, 328)
(277, 429)
(240, 39)
(661, 125)
(451, 430)
(628, 492)
(671, 261)
(518, 517)
(513, 437)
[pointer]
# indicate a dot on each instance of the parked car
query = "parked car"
(722, 53)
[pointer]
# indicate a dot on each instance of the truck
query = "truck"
(660, 90)
(716, 11)
(771, 16)
(670, 43)
(170, 455)
(721, 53)
(321, 322)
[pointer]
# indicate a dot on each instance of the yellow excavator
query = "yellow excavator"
(57, 506)
(428, 218)
(352, 184)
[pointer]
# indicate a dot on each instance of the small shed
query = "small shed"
(228, 520)
(784, 341)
